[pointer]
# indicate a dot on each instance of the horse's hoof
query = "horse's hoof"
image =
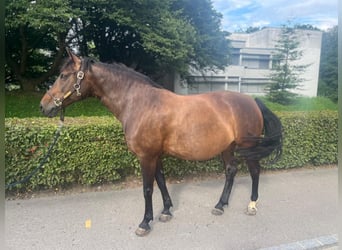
(165, 217)
(217, 211)
(142, 232)
(252, 209)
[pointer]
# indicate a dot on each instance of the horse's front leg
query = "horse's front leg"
(148, 168)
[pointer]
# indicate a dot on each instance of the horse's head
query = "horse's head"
(70, 86)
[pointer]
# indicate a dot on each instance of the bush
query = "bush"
(93, 151)
(309, 139)
(88, 151)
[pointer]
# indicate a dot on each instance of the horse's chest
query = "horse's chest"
(144, 139)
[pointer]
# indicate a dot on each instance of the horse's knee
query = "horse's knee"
(231, 170)
(148, 192)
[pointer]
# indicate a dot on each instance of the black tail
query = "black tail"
(272, 141)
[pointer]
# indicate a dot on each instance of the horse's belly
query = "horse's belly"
(197, 147)
(194, 153)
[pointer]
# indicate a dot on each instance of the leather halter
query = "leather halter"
(77, 86)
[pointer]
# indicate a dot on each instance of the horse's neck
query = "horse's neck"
(115, 94)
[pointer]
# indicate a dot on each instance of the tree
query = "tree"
(211, 48)
(305, 27)
(155, 37)
(252, 29)
(35, 37)
(328, 71)
(285, 74)
(145, 35)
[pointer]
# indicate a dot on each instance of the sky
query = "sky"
(241, 14)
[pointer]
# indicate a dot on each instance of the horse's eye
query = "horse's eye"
(62, 76)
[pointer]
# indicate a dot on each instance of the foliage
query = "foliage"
(210, 47)
(35, 34)
(92, 150)
(285, 75)
(306, 27)
(141, 34)
(309, 138)
(250, 29)
(156, 37)
(328, 70)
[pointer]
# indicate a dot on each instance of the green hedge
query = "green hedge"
(93, 151)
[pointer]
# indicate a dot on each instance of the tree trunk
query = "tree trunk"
(30, 84)
(27, 85)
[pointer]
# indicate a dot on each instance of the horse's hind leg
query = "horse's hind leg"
(254, 170)
(160, 178)
(231, 169)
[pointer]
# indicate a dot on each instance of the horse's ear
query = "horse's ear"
(68, 51)
(74, 58)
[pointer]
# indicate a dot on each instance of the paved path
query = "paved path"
(296, 207)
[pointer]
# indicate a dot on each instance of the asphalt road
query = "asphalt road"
(295, 207)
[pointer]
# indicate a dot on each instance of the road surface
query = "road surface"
(296, 208)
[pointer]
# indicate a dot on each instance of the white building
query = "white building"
(251, 64)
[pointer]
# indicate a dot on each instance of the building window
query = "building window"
(235, 57)
(255, 61)
(200, 84)
(253, 85)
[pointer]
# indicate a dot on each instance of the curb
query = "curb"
(329, 242)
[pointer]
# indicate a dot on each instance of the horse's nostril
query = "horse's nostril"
(41, 108)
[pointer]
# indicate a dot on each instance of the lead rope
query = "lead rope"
(43, 161)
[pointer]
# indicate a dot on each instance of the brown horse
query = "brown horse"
(157, 122)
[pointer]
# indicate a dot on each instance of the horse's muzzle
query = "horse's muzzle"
(49, 111)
